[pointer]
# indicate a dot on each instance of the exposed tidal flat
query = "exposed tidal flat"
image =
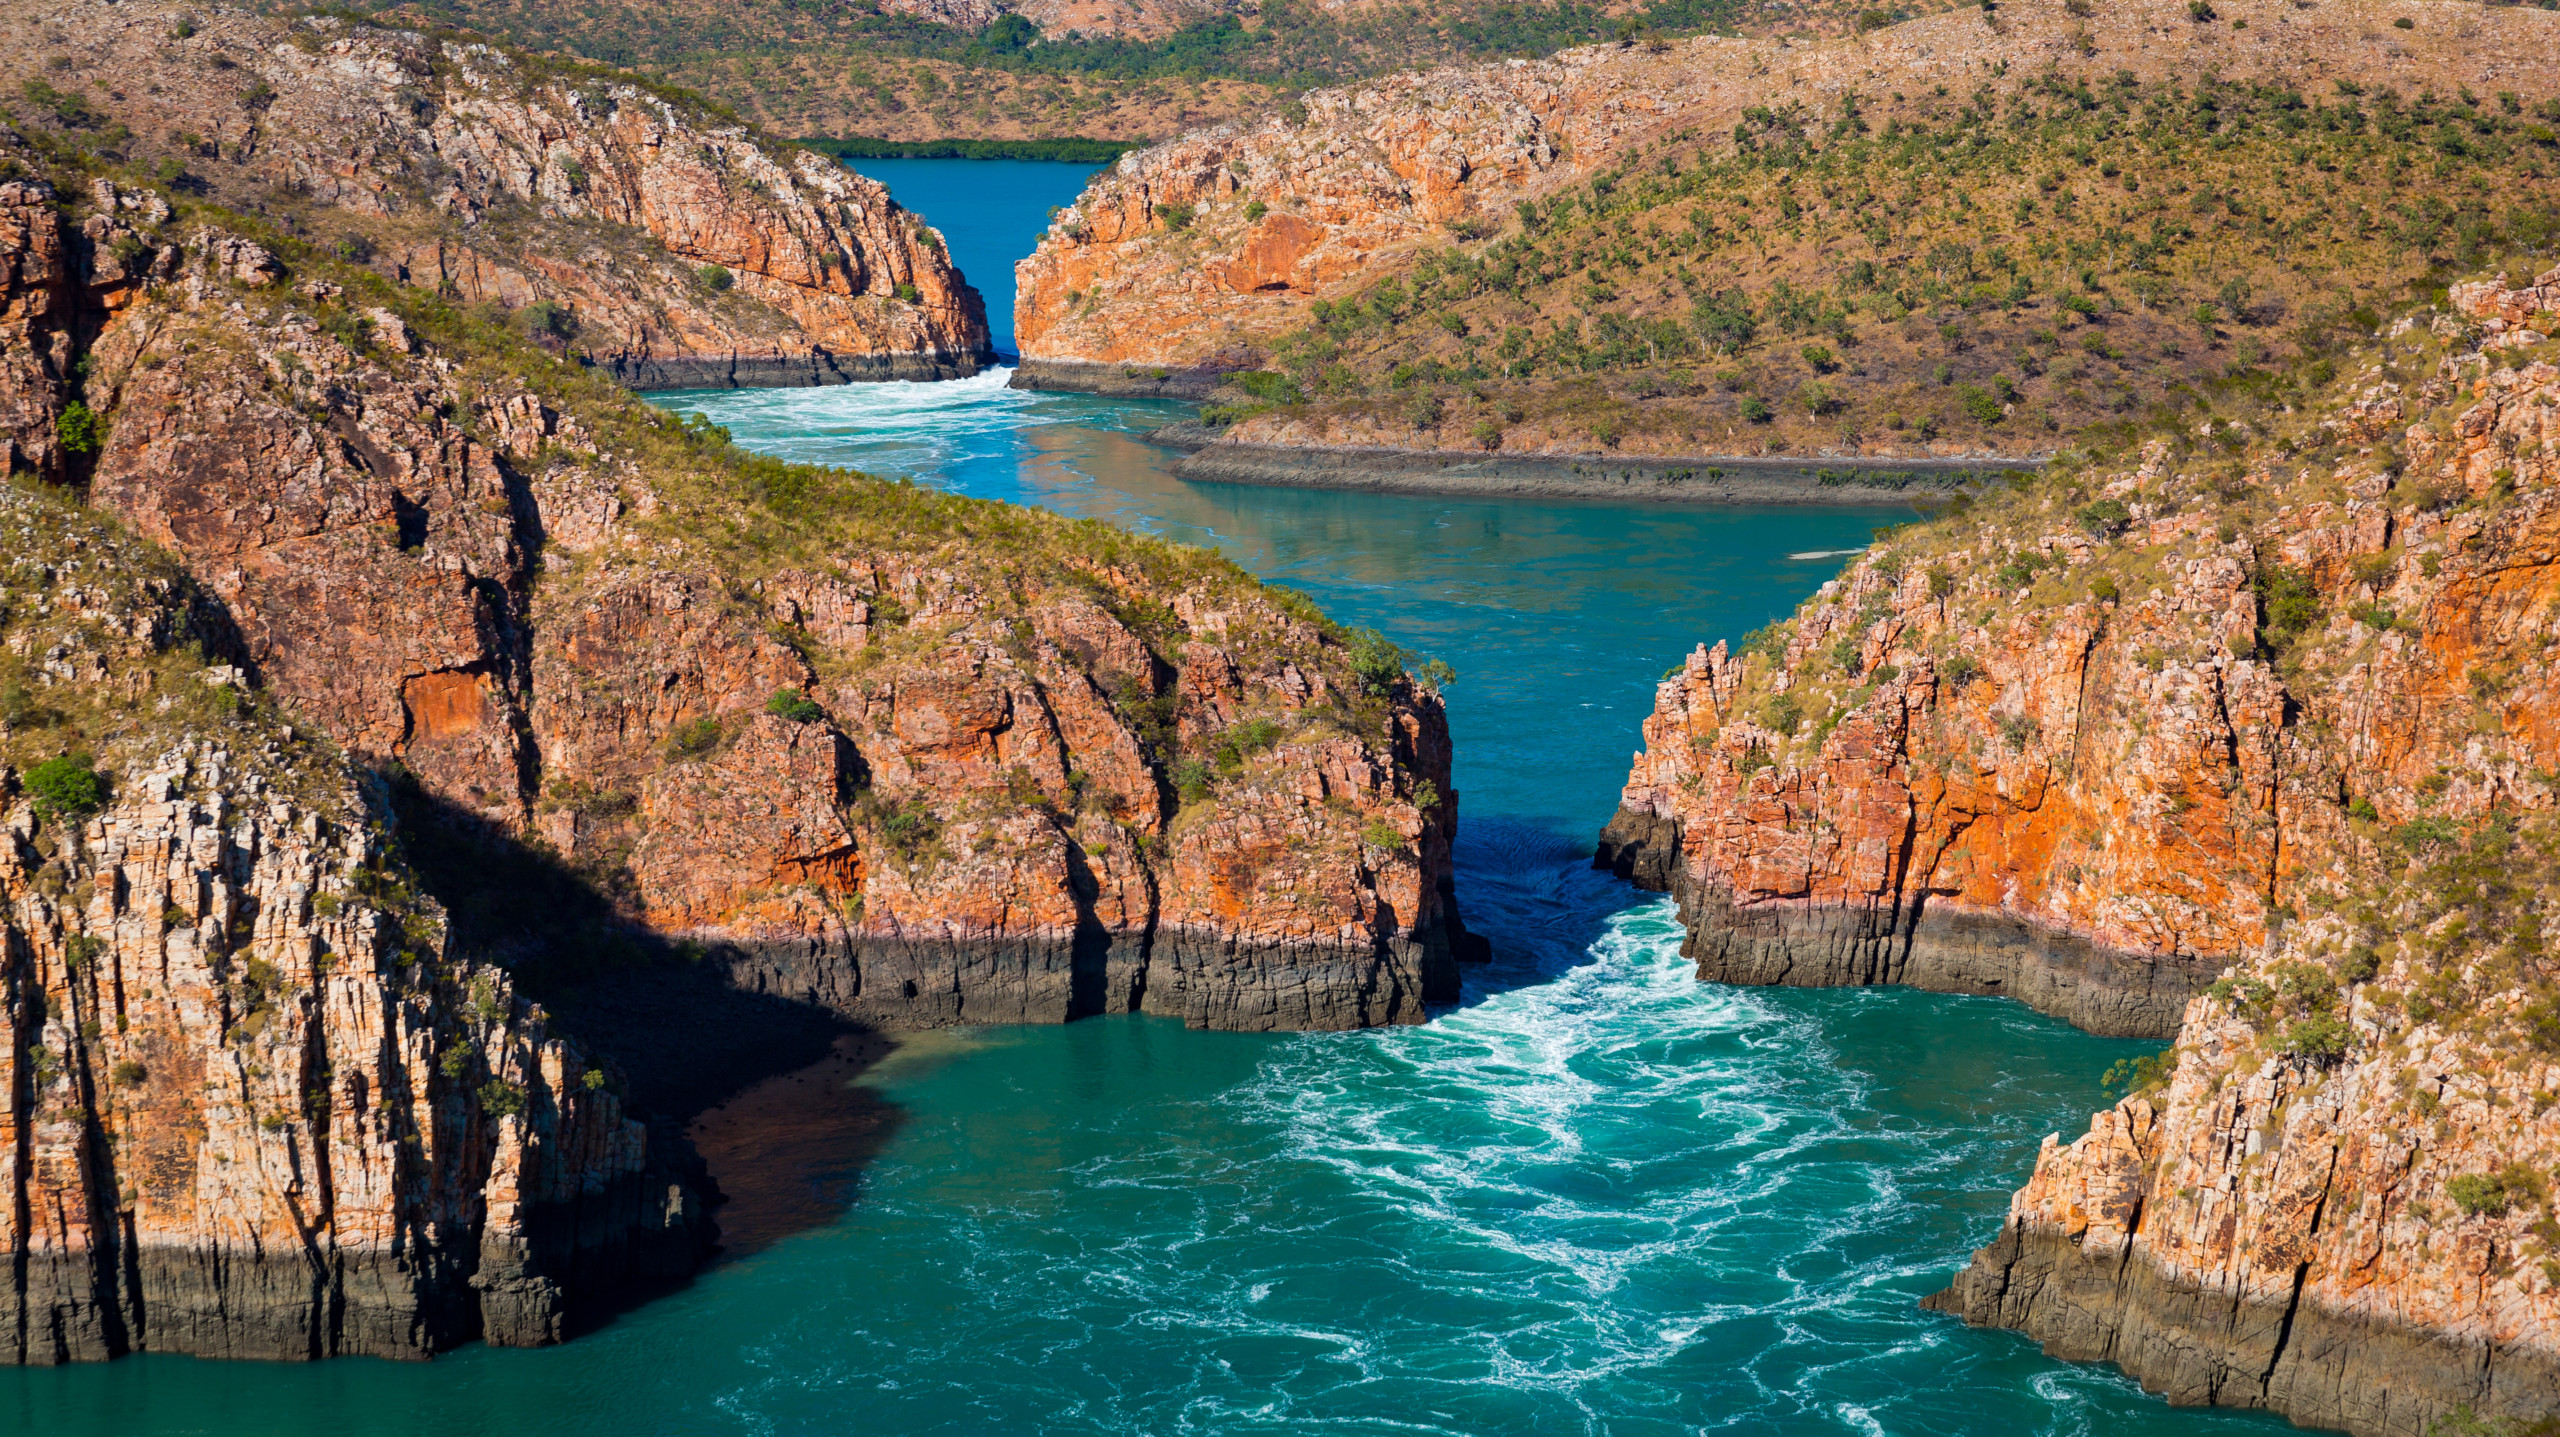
(1597, 1196)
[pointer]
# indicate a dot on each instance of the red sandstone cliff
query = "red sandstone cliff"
(257, 1108)
(682, 249)
(846, 744)
(2094, 743)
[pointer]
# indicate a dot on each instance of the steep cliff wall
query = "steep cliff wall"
(256, 1108)
(2337, 1204)
(917, 759)
(624, 691)
(2270, 710)
(679, 248)
(2082, 744)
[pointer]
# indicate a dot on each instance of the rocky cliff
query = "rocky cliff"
(2081, 744)
(920, 759)
(2266, 707)
(257, 1107)
(1969, 235)
(620, 221)
(613, 699)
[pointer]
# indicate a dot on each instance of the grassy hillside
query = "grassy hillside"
(1986, 271)
(855, 69)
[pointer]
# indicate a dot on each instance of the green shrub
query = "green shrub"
(714, 278)
(694, 737)
(500, 1099)
(1941, 583)
(1782, 714)
(1959, 671)
(1255, 209)
(1979, 403)
(128, 1073)
(80, 430)
(2136, 1077)
(1175, 217)
(66, 787)
(909, 294)
(793, 705)
(2322, 1037)
(1193, 779)
(1756, 410)
(1820, 358)
(2288, 599)
(1376, 661)
(1382, 834)
(1265, 385)
(2105, 518)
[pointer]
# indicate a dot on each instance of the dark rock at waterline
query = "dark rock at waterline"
(788, 371)
(1915, 944)
(1678, 480)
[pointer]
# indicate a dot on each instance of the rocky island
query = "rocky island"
(374, 658)
(2244, 740)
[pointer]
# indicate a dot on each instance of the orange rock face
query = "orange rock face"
(1979, 767)
(912, 773)
(457, 167)
(2277, 721)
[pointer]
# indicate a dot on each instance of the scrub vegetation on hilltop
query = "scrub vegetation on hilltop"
(2071, 260)
(862, 69)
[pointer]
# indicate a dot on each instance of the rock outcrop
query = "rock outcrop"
(2084, 751)
(256, 1106)
(921, 760)
(2281, 723)
(471, 674)
(622, 222)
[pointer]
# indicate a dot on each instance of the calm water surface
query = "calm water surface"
(1598, 1197)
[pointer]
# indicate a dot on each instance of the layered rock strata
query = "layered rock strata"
(2336, 1206)
(1195, 255)
(2084, 755)
(256, 1107)
(662, 242)
(2283, 721)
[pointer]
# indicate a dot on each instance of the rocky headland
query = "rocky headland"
(407, 699)
(614, 219)
(1972, 234)
(2247, 738)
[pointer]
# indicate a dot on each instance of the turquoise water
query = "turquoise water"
(1598, 1197)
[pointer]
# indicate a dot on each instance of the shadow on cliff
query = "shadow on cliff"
(762, 1088)
(1530, 889)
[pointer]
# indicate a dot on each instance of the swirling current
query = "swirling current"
(1596, 1197)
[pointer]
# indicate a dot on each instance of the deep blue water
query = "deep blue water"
(1599, 1197)
(990, 212)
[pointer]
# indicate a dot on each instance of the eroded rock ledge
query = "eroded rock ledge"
(257, 1106)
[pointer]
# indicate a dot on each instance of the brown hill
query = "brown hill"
(1967, 234)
